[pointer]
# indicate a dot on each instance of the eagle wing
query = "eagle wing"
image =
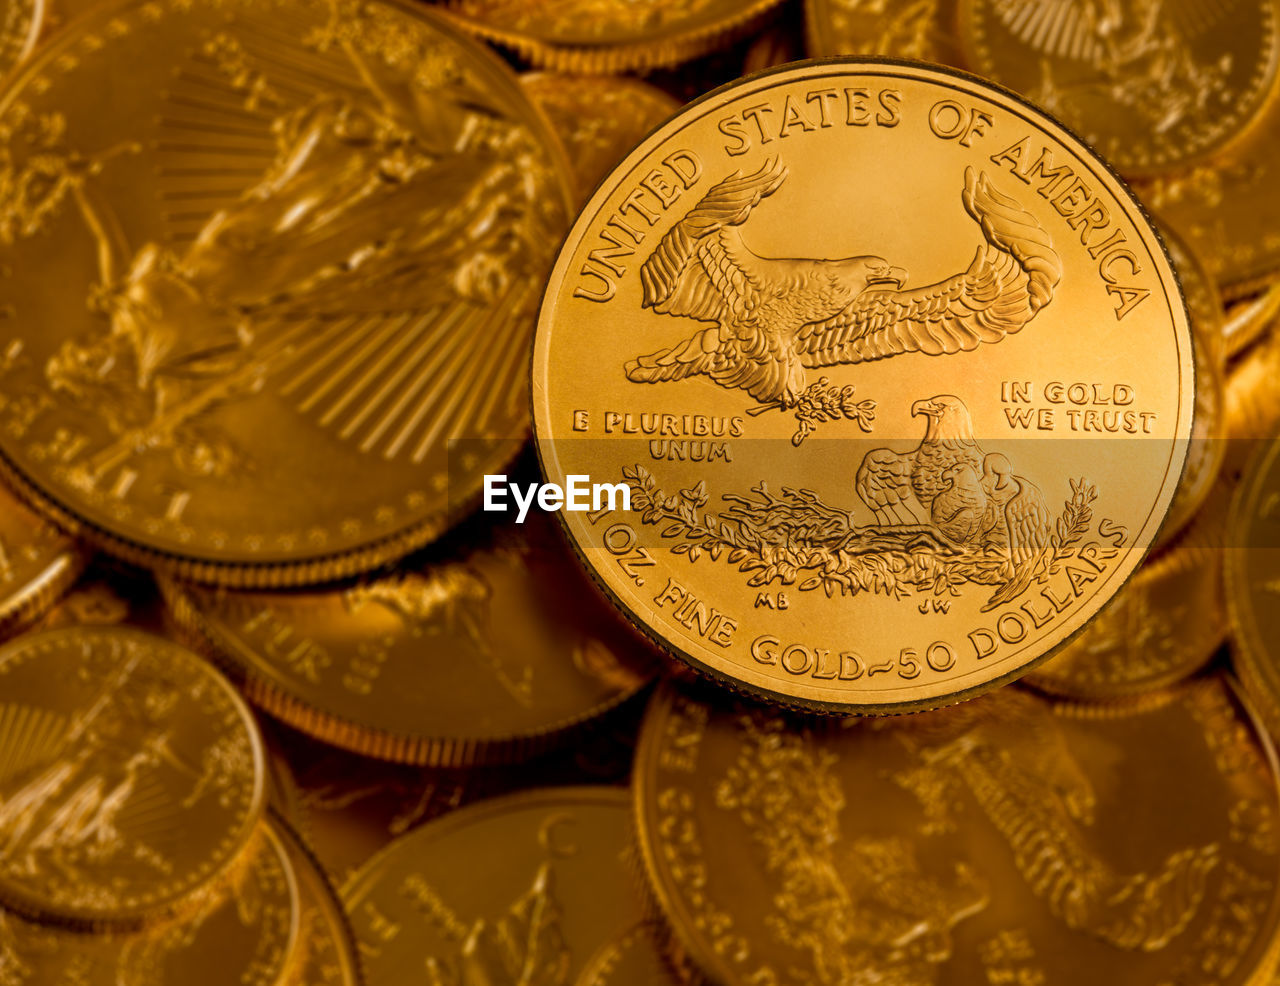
(883, 483)
(702, 270)
(1027, 518)
(1011, 278)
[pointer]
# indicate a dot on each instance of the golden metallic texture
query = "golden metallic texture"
(599, 118)
(1228, 209)
(38, 563)
(21, 22)
(348, 808)
(1207, 448)
(245, 933)
(1164, 625)
(326, 954)
(1152, 85)
(925, 30)
(1249, 319)
(1006, 840)
(131, 776)
(1253, 581)
(489, 650)
(878, 483)
(534, 881)
(604, 36)
(298, 245)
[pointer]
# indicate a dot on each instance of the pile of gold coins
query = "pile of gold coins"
(917, 621)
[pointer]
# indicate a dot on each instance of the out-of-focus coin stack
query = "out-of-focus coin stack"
(279, 704)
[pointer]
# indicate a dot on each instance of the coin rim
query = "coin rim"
(1177, 463)
(392, 746)
(604, 58)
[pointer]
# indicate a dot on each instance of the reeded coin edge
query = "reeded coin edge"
(22, 608)
(326, 901)
(610, 59)
(544, 444)
(332, 727)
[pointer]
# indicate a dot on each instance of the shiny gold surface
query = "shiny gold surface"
(326, 953)
(1164, 625)
(38, 563)
(535, 881)
(21, 22)
(1253, 579)
(600, 118)
(245, 934)
(588, 36)
(1151, 85)
(258, 257)
(1005, 840)
(489, 650)
(131, 776)
(296, 242)
(1228, 209)
(863, 484)
(925, 30)
(1207, 449)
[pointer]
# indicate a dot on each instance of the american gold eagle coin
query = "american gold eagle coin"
(298, 248)
(894, 372)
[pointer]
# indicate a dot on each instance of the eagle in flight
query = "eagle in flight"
(771, 318)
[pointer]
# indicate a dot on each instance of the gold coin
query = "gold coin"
(1207, 448)
(21, 22)
(535, 881)
(1007, 840)
(864, 484)
(596, 36)
(1152, 86)
(1249, 319)
(1228, 209)
(1253, 581)
(38, 563)
(303, 244)
(132, 776)
(599, 118)
(489, 650)
(1252, 405)
(241, 934)
(1164, 625)
(925, 30)
(327, 950)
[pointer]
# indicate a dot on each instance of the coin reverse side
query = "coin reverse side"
(896, 372)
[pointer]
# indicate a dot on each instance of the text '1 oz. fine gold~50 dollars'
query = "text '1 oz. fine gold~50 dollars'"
(895, 368)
